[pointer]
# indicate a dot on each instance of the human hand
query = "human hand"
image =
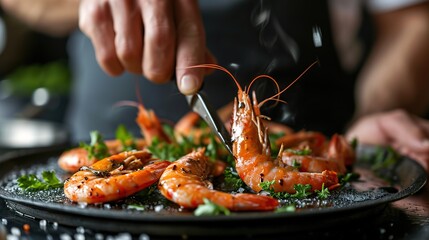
(406, 133)
(57, 18)
(148, 37)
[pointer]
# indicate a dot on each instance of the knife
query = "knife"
(199, 104)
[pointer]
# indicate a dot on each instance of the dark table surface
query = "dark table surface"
(404, 219)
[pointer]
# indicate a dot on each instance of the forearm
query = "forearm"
(396, 74)
(54, 17)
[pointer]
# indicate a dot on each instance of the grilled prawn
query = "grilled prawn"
(185, 182)
(114, 177)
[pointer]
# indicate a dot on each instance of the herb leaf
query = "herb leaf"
(268, 187)
(232, 180)
(97, 148)
(210, 208)
(323, 193)
(31, 183)
(286, 208)
(299, 152)
(302, 191)
(125, 137)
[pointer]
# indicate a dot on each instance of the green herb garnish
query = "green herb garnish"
(32, 183)
(348, 177)
(210, 208)
(286, 208)
(323, 193)
(296, 164)
(299, 152)
(302, 191)
(136, 207)
(268, 187)
(97, 148)
(232, 180)
(126, 138)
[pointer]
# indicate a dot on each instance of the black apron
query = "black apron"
(280, 38)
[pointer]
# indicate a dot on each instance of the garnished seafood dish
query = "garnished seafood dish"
(185, 169)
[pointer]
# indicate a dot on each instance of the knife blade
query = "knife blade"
(199, 104)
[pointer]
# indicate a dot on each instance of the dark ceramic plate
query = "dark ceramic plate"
(365, 197)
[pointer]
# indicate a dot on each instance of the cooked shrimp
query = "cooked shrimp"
(72, 160)
(322, 156)
(311, 163)
(251, 147)
(150, 127)
(304, 139)
(114, 177)
(185, 182)
(341, 150)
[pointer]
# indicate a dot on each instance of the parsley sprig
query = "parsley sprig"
(210, 208)
(32, 183)
(126, 138)
(232, 180)
(97, 148)
(302, 190)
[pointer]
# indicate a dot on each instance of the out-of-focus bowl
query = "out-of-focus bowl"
(18, 134)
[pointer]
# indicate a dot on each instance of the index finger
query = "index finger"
(191, 46)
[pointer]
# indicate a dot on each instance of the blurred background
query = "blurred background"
(34, 86)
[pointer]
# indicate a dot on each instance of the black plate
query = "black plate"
(363, 198)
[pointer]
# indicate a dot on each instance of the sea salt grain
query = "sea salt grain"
(144, 236)
(15, 231)
(42, 224)
(65, 236)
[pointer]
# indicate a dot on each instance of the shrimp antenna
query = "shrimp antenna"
(288, 86)
(215, 66)
(269, 77)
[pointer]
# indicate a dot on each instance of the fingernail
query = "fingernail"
(188, 84)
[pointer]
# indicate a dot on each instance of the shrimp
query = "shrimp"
(185, 183)
(72, 160)
(251, 146)
(114, 177)
(341, 150)
(323, 156)
(150, 126)
(304, 139)
(251, 149)
(310, 163)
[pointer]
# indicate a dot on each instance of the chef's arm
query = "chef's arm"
(53, 17)
(396, 75)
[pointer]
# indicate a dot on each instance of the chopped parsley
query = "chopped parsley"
(286, 208)
(32, 183)
(348, 177)
(385, 158)
(232, 180)
(302, 191)
(136, 207)
(323, 193)
(97, 148)
(300, 152)
(210, 208)
(296, 164)
(125, 137)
